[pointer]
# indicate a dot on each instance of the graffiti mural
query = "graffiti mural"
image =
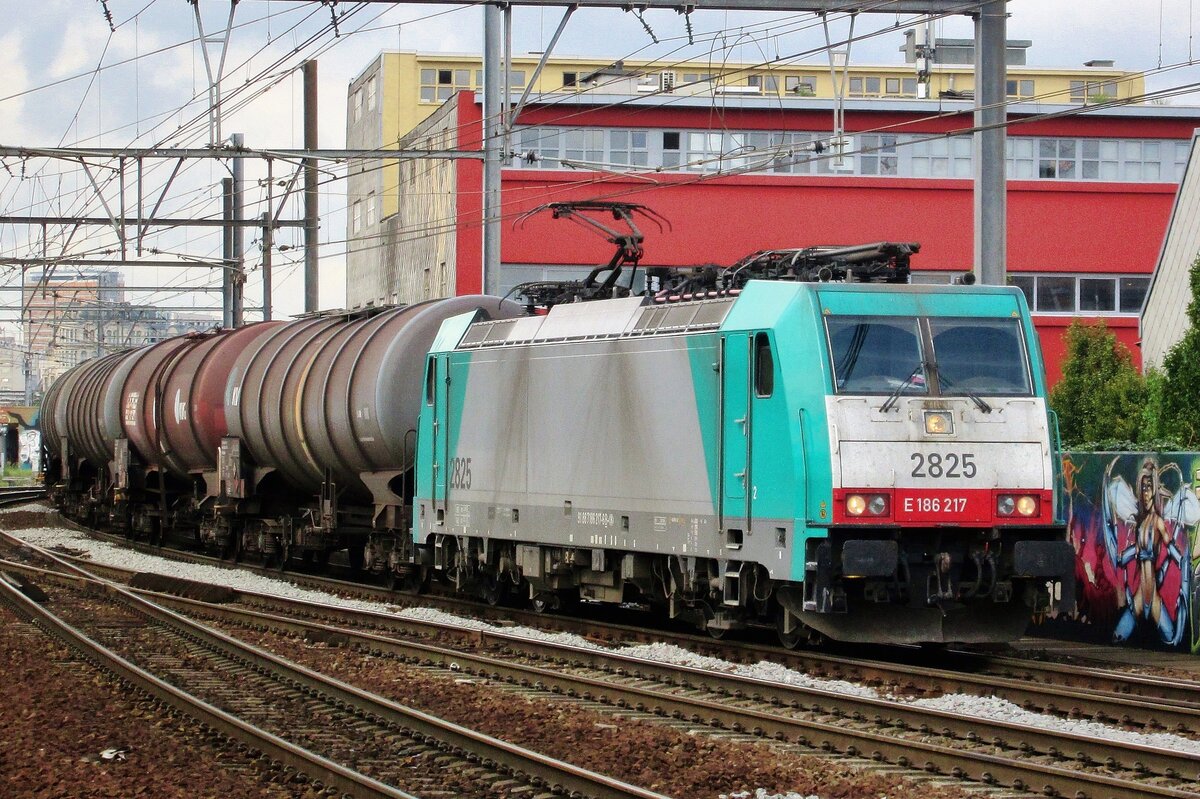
(1134, 521)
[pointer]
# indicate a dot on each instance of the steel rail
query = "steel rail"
(317, 767)
(556, 773)
(883, 712)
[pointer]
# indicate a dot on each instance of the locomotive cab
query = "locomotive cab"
(942, 521)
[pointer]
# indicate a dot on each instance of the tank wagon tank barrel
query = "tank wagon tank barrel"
(276, 437)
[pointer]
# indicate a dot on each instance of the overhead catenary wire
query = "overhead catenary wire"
(590, 180)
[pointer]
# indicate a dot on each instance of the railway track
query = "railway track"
(1102, 695)
(19, 495)
(885, 730)
(311, 723)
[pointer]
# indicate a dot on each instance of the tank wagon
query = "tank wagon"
(866, 462)
(276, 439)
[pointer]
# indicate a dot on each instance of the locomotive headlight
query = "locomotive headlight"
(1016, 505)
(856, 504)
(877, 505)
(938, 423)
(1027, 505)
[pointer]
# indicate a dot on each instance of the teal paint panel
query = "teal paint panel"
(705, 357)
(452, 331)
(735, 410)
(963, 301)
(761, 305)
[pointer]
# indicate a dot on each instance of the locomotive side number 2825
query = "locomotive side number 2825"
(952, 464)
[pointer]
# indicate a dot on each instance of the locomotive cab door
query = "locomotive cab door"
(735, 432)
(440, 449)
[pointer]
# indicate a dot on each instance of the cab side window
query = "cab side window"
(764, 366)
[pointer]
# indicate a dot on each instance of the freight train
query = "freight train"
(861, 461)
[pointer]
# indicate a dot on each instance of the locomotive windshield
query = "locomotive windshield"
(980, 356)
(923, 355)
(876, 353)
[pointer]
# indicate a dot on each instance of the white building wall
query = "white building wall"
(1164, 315)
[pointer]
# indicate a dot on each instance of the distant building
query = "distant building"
(68, 319)
(12, 372)
(729, 160)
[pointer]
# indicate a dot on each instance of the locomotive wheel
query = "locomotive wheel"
(716, 633)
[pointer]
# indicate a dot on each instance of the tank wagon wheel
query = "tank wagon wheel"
(413, 581)
(356, 554)
(492, 589)
(716, 633)
(284, 557)
(544, 602)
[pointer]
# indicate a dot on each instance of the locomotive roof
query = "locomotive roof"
(759, 306)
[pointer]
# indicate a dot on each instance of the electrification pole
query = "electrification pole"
(991, 187)
(311, 273)
(237, 270)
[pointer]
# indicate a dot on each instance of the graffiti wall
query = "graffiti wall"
(1134, 520)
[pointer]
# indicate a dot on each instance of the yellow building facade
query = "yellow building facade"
(399, 90)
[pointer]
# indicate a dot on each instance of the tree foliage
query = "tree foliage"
(1101, 395)
(1179, 414)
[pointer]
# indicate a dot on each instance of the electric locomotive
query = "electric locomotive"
(863, 462)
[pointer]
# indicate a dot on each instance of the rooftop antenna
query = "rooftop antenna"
(924, 57)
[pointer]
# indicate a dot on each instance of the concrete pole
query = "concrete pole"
(239, 234)
(227, 253)
(991, 201)
(493, 139)
(311, 273)
(268, 239)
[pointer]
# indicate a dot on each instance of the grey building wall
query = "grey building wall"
(1164, 318)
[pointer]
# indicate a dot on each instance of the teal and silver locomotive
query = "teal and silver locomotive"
(858, 461)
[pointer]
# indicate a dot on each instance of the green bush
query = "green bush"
(1101, 397)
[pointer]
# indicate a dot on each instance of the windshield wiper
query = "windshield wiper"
(895, 395)
(980, 403)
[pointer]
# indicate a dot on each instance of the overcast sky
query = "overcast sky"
(151, 89)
